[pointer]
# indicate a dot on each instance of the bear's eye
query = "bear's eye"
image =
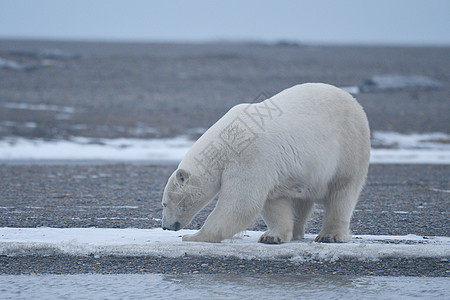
(164, 204)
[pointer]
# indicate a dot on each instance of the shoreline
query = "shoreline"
(28, 265)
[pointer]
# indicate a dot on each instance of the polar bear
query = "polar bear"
(308, 144)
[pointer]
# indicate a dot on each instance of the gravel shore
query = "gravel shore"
(205, 265)
(397, 200)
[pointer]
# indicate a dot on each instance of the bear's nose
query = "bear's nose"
(176, 226)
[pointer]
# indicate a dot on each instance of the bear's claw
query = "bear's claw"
(275, 237)
(332, 238)
(270, 240)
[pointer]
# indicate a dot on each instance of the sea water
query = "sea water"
(199, 286)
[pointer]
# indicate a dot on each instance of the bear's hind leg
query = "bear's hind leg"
(302, 210)
(339, 206)
(278, 216)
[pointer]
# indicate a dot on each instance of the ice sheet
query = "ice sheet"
(156, 242)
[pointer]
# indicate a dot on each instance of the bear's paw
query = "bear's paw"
(270, 238)
(198, 237)
(332, 238)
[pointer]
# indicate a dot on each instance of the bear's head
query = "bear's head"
(184, 196)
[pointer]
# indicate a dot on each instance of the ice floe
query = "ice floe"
(156, 242)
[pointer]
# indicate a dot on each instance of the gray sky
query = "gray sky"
(416, 22)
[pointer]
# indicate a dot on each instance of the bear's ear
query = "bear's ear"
(182, 177)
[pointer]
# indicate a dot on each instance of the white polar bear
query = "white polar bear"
(308, 144)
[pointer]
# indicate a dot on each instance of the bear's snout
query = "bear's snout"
(175, 227)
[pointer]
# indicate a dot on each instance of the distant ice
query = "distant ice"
(397, 82)
(43, 107)
(39, 59)
(387, 147)
(434, 140)
(351, 89)
(156, 242)
(393, 156)
(386, 83)
(415, 148)
(45, 54)
(15, 65)
(18, 66)
(79, 148)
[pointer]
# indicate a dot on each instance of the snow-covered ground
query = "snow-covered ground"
(415, 148)
(387, 147)
(79, 148)
(156, 242)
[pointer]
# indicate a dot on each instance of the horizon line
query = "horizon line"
(193, 41)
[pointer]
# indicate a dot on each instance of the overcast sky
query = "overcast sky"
(417, 22)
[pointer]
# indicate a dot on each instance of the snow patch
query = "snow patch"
(80, 148)
(392, 156)
(388, 147)
(416, 148)
(395, 140)
(156, 242)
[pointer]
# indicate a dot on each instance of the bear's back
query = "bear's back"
(317, 107)
(309, 124)
(316, 127)
(313, 98)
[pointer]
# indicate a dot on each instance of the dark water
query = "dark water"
(151, 286)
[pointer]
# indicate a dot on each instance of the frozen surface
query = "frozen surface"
(156, 242)
(181, 286)
(388, 147)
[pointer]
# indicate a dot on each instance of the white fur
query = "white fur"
(308, 144)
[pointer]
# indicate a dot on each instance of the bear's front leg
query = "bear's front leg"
(222, 224)
(237, 207)
(201, 236)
